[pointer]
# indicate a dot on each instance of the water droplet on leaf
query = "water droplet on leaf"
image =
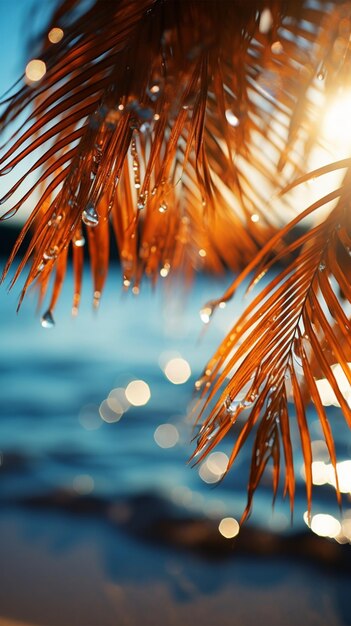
(79, 241)
(90, 216)
(6, 170)
(47, 320)
(206, 313)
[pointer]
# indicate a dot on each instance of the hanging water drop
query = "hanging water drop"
(79, 240)
(230, 405)
(164, 271)
(145, 127)
(96, 299)
(231, 118)
(90, 216)
(163, 207)
(246, 403)
(206, 313)
(141, 202)
(47, 320)
(322, 266)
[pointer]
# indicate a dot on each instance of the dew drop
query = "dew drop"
(6, 170)
(96, 299)
(8, 214)
(47, 320)
(231, 406)
(5, 198)
(141, 202)
(51, 253)
(79, 241)
(154, 91)
(145, 127)
(206, 313)
(246, 403)
(321, 266)
(90, 216)
(163, 207)
(277, 47)
(231, 118)
(164, 271)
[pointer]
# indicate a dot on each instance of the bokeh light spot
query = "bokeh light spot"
(138, 392)
(325, 525)
(117, 400)
(108, 414)
(166, 435)
(89, 417)
(229, 527)
(55, 35)
(178, 371)
(83, 484)
(35, 70)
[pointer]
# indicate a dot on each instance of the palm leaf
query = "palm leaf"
(293, 332)
(131, 121)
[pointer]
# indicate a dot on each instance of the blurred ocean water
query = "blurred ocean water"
(52, 382)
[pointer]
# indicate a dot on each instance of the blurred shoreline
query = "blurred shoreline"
(65, 569)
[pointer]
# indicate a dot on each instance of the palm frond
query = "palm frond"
(157, 114)
(293, 333)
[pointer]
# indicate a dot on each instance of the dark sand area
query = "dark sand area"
(61, 568)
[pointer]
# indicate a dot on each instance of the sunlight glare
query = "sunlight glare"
(325, 525)
(337, 120)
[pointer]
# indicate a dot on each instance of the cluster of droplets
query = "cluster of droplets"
(135, 163)
(49, 255)
(56, 220)
(234, 406)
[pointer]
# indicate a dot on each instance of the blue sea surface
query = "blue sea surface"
(50, 378)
